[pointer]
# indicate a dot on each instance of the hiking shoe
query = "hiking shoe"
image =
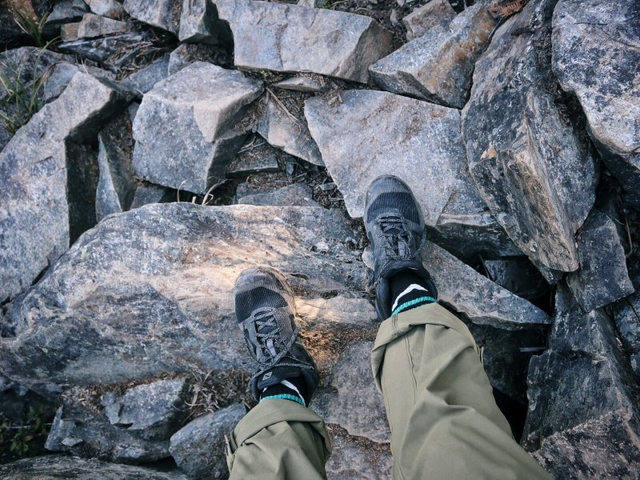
(266, 314)
(395, 227)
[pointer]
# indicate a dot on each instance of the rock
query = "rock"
(198, 23)
(164, 14)
(626, 314)
(150, 291)
(290, 38)
(296, 195)
(602, 277)
(199, 448)
(64, 467)
(436, 13)
(93, 26)
(107, 50)
(153, 411)
(107, 8)
(5, 136)
(62, 73)
(481, 300)
(515, 133)
(148, 193)
(593, 45)
(583, 416)
(116, 185)
(350, 459)
(243, 166)
(64, 12)
(438, 66)
(300, 84)
(350, 388)
(37, 213)
(188, 53)
(290, 135)
(518, 275)
(144, 80)
(371, 133)
(201, 102)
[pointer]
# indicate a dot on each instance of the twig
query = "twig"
(281, 105)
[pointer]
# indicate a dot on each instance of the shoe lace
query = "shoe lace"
(395, 236)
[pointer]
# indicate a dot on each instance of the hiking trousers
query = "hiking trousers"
(444, 420)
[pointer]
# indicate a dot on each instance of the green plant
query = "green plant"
(28, 22)
(20, 439)
(20, 99)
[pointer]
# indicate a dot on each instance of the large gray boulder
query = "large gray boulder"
(583, 419)
(54, 467)
(183, 126)
(370, 133)
(291, 38)
(438, 65)
(150, 291)
(596, 50)
(39, 214)
(531, 166)
(602, 277)
(164, 14)
(199, 447)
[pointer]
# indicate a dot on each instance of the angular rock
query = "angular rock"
(281, 131)
(37, 210)
(153, 411)
(149, 292)
(436, 13)
(107, 8)
(65, 467)
(63, 12)
(583, 416)
(602, 277)
(188, 53)
(350, 388)
(201, 102)
(626, 314)
(481, 300)
(116, 185)
(199, 448)
(148, 193)
(515, 136)
(352, 460)
(290, 38)
(93, 26)
(518, 275)
(62, 73)
(144, 80)
(296, 195)
(198, 23)
(107, 50)
(438, 66)
(594, 44)
(243, 167)
(164, 14)
(300, 84)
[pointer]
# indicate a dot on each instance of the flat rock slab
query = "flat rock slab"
(438, 65)
(515, 135)
(583, 415)
(291, 38)
(64, 467)
(594, 46)
(436, 13)
(34, 207)
(201, 102)
(150, 291)
(351, 398)
(602, 277)
(298, 195)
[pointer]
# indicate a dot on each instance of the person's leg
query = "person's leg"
(444, 421)
(280, 438)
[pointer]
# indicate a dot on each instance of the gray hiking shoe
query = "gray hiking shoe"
(265, 311)
(395, 227)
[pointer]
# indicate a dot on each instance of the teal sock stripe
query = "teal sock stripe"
(284, 396)
(412, 303)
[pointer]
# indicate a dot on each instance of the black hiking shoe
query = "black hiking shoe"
(265, 312)
(395, 227)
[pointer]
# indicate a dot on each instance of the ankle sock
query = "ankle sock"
(409, 291)
(293, 389)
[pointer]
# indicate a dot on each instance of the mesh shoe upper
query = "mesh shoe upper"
(395, 228)
(265, 311)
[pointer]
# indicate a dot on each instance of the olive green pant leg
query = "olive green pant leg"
(278, 439)
(444, 421)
